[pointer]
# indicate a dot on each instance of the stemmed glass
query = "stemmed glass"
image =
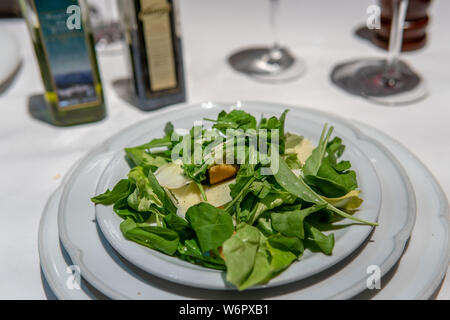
(105, 23)
(269, 64)
(387, 81)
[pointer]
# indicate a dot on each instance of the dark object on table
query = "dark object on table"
(155, 52)
(9, 9)
(414, 32)
(39, 109)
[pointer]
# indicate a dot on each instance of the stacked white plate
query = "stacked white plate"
(409, 248)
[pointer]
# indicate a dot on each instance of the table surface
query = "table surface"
(35, 156)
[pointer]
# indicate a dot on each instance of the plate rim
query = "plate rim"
(443, 205)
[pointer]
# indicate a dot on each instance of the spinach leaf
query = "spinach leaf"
(240, 253)
(322, 241)
(211, 225)
(290, 223)
(190, 251)
(158, 238)
(265, 226)
(292, 160)
(253, 259)
(121, 190)
(288, 244)
(179, 225)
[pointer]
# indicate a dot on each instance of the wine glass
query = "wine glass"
(269, 64)
(387, 81)
(106, 26)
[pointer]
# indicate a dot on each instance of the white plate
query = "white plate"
(431, 231)
(422, 267)
(55, 263)
(179, 271)
(117, 278)
(9, 56)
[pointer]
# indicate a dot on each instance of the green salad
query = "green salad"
(240, 195)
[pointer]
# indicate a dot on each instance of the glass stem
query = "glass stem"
(274, 52)
(399, 8)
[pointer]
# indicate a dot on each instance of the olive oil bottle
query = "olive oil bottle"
(64, 48)
(156, 60)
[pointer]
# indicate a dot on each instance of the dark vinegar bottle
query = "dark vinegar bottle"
(156, 59)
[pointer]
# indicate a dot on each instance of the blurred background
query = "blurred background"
(318, 36)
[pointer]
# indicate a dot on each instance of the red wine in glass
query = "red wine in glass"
(387, 81)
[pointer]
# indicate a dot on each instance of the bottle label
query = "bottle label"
(155, 17)
(68, 56)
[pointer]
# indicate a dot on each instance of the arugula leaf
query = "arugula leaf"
(158, 238)
(168, 205)
(273, 123)
(166, 141)
(238, 190)
(272, 200)
(235, 119)
(314, 161)
(148, 195)
(331, 183)
(122, 209)
(143, 197)
(211, 225)
(297, 186)
(121, 190)
(140, 157)
(333, 178)
(280, 258)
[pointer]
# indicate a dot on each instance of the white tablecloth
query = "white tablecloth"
(34, 156)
